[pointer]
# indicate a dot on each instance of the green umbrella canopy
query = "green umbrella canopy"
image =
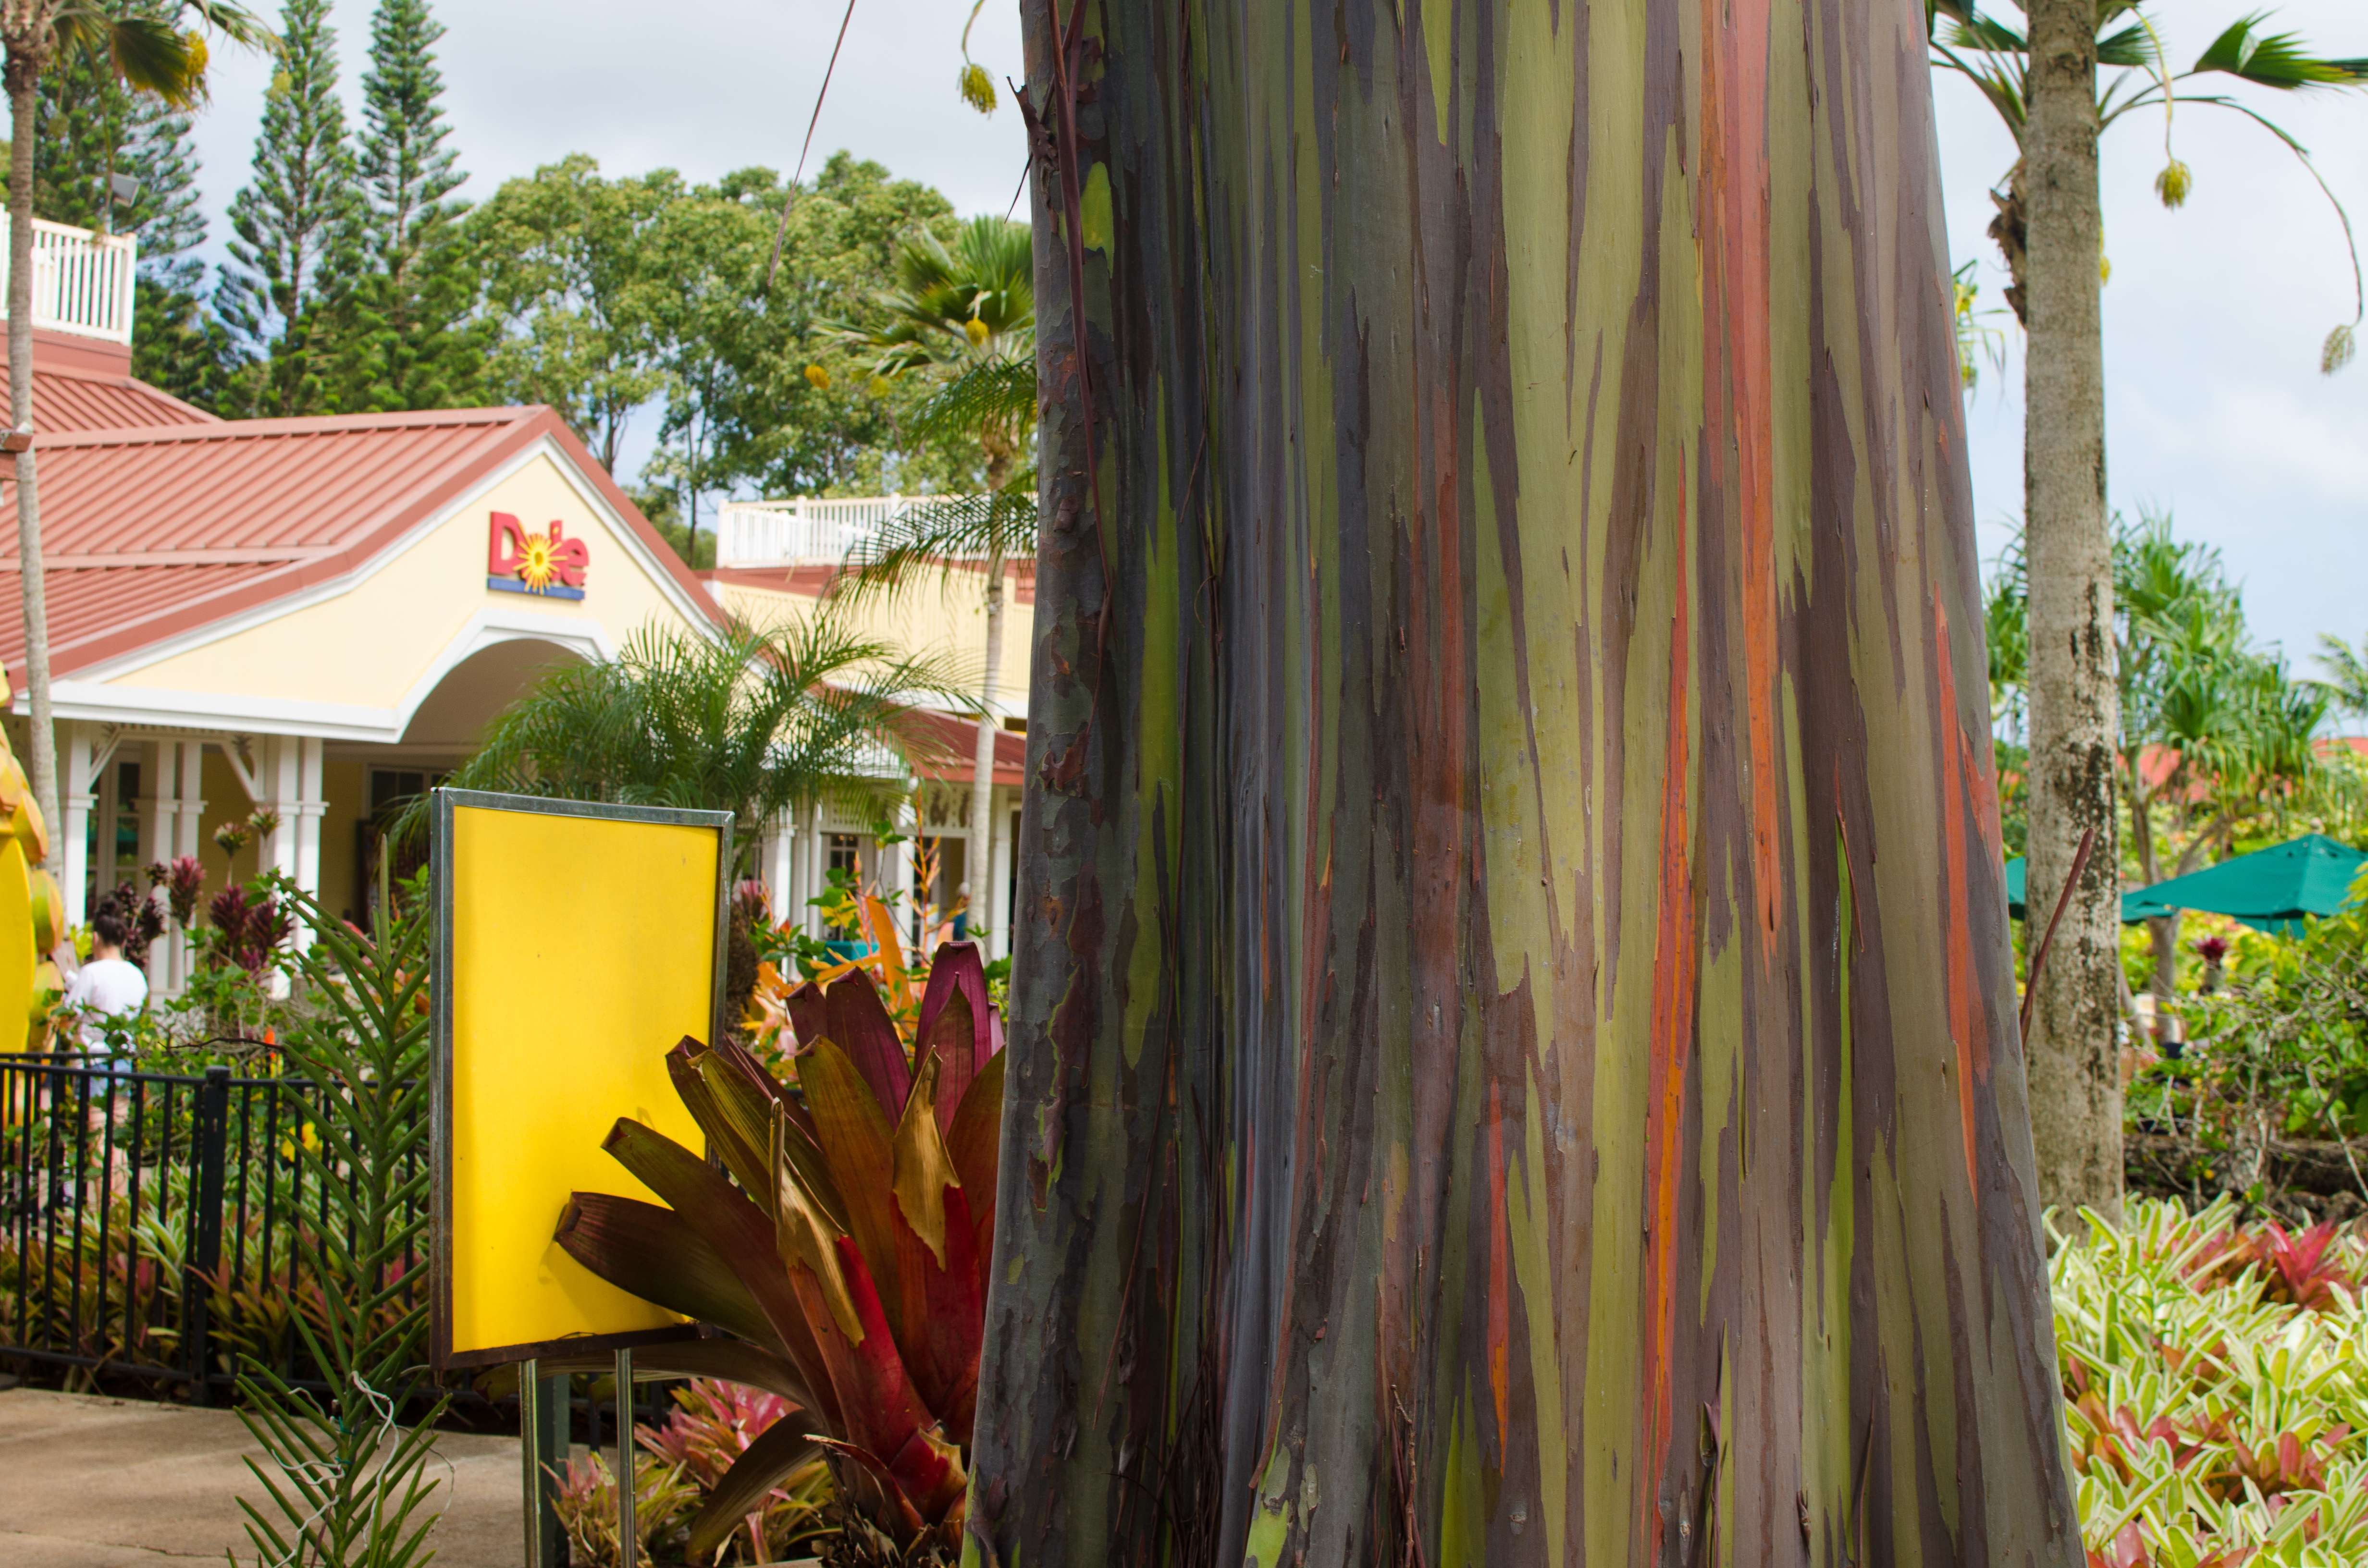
(2270, 889)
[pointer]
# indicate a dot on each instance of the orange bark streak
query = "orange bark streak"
(1672, 1032)
(1965, 1003)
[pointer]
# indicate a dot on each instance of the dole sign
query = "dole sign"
(548, 563)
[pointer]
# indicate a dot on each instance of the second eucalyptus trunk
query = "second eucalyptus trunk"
(1513, 1045)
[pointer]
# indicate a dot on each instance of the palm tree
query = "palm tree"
(758, 723)
(1995, 59)
(149, 53)
(2045, 88)
(966, 311)
(2347, 686)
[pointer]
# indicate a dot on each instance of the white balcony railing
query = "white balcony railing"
(804, 531)
(82, 281)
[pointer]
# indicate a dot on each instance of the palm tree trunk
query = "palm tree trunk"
(1511, 1044)
(23, 74)
(982, 774)
(2075, 1077)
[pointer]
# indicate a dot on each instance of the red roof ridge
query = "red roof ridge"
(301, 425)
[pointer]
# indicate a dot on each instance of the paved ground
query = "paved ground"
(92, 1483)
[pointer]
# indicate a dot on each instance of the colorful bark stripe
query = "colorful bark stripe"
(1511, 1049)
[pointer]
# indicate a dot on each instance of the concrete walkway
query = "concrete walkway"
(93, 1482)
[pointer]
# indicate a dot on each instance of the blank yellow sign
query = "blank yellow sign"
(577, 949)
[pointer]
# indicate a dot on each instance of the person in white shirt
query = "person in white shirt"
(107, 986)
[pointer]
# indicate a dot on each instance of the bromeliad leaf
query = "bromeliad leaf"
(784, 1446)
(648, 1250)
(924, 1170)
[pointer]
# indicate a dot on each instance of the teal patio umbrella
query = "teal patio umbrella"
(2270, 890)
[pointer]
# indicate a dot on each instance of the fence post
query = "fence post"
(210, 1136)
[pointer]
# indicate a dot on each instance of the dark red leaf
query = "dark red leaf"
(859, 1023)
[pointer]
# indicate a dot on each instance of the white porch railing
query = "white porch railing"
(807, 529)
(82, 281)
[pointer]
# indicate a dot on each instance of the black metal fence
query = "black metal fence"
(149, 1221)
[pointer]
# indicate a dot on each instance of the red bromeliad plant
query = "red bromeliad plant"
(845, 1255)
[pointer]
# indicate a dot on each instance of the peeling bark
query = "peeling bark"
(1512, 1037)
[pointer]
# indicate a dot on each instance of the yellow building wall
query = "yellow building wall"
(370, 646)
(948, 619)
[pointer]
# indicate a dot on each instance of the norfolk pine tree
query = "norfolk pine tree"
(405, 337)
(296, 224)
(1512, 1042)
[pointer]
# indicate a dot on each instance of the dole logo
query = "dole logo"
(548, 563)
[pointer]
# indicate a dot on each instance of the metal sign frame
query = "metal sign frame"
(444, 803)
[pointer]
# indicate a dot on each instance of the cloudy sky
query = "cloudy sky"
(2215, 405)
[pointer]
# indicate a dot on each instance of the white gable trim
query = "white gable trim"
(695, 611)
(210, 711)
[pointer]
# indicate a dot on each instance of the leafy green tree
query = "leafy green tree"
(792, 407)
(2047, 89)
(752, 722)
(296, 226)
(407, 331)
(147, 51)
(572, 281)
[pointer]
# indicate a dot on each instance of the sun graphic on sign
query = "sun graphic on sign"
(537, 567)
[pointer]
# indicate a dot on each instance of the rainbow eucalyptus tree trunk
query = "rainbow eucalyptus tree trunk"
(1513, 1052)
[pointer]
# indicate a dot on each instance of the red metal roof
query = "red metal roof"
(957, 738)
(154, 532)
(69, 401)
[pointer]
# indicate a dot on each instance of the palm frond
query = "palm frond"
(947, 537)
(2248, 52)
(993, 392)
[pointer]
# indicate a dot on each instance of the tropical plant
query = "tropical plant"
(346, 1480)
(143, 47)
(712, 1425)
(844, 1246)
(755, 723)
(2044, 88)
(2347, 669)
(2214, 1392)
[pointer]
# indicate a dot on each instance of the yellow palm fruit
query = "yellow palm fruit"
(975, 330)
(2173, 184)
(819, 377)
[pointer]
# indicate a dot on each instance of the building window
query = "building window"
(112, 844)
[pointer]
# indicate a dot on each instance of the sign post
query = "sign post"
(575, 944)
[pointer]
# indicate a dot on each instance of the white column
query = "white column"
(189, 804)
(280, 778)
(996, 885)
(775, 858)
(309, 807)
(808, 880)
(72, 859)
(159, 775)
